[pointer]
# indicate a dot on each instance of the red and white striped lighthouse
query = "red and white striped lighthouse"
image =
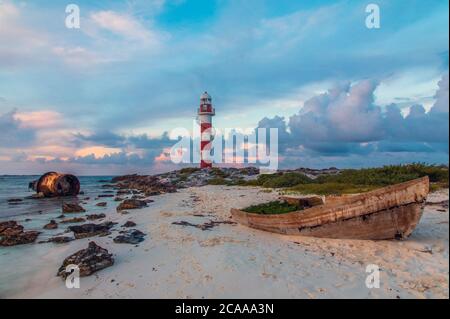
(205, 114)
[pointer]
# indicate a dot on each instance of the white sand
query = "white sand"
(232, 261)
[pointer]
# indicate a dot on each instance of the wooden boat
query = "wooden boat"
(386, 213)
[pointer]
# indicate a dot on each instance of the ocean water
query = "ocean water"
(17, 187)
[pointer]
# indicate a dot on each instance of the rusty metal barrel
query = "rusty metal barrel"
(53, 184)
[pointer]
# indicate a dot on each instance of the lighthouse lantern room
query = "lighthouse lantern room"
(205, 114)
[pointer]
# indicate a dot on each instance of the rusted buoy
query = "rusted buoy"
(53, 184)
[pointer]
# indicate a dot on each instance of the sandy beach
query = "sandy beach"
(232, 261)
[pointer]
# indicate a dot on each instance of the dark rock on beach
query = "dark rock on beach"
(89, 230)
(72, 208)
(131, 204)
(101, 204)
(146, 184)
(58, 240)
(95, 216)
(205, 226)
(89, 260)
(129, 224)
(132, 236)
(52, 225)
(73, 220)
(10, 227)
(14, 200)
(12, 234)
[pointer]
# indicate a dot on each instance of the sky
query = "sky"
(101, 99)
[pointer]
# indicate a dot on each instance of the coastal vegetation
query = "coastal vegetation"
(346, 181)
(274, 207)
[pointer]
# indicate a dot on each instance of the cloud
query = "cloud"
(113, 140)
(104, 138)
(19, 43)
(346, 121)
(44, 119)
(126, 26)
(441, 106)
(14, 133)
(343, 114)
(80, 57)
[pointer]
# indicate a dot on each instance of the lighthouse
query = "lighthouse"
(205, 114)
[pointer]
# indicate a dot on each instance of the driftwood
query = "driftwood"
(385, 213)
(53, 184)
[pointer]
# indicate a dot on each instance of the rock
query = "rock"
(118, 199)
(73, 220)
(123, 212)
(101, 204)
(143, 184)
(51, 225)
(58, 240)
(14, 200)
(89, 260)
(205, 226)
(37, 195)
(89, 230)
(95, 216)
(19, 239)
(12, 234)
(129, 224)
(72, 208)
(81, 193)
(123, 192)
(132, 236)
(105, 195)
(131, 204)
(9, 228)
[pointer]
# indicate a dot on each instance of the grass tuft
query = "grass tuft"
(275, 207)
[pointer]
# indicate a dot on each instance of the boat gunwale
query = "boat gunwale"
(333, 212)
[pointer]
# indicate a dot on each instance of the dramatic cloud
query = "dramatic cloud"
(13, 133)
(346, 121)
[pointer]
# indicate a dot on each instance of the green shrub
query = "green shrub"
(218, 181)
(387, 175)
(330, 189)
(189, 170)
(275, 207)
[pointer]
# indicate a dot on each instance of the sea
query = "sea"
(12, 186)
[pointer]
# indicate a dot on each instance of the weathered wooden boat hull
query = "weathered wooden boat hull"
(386, 213)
